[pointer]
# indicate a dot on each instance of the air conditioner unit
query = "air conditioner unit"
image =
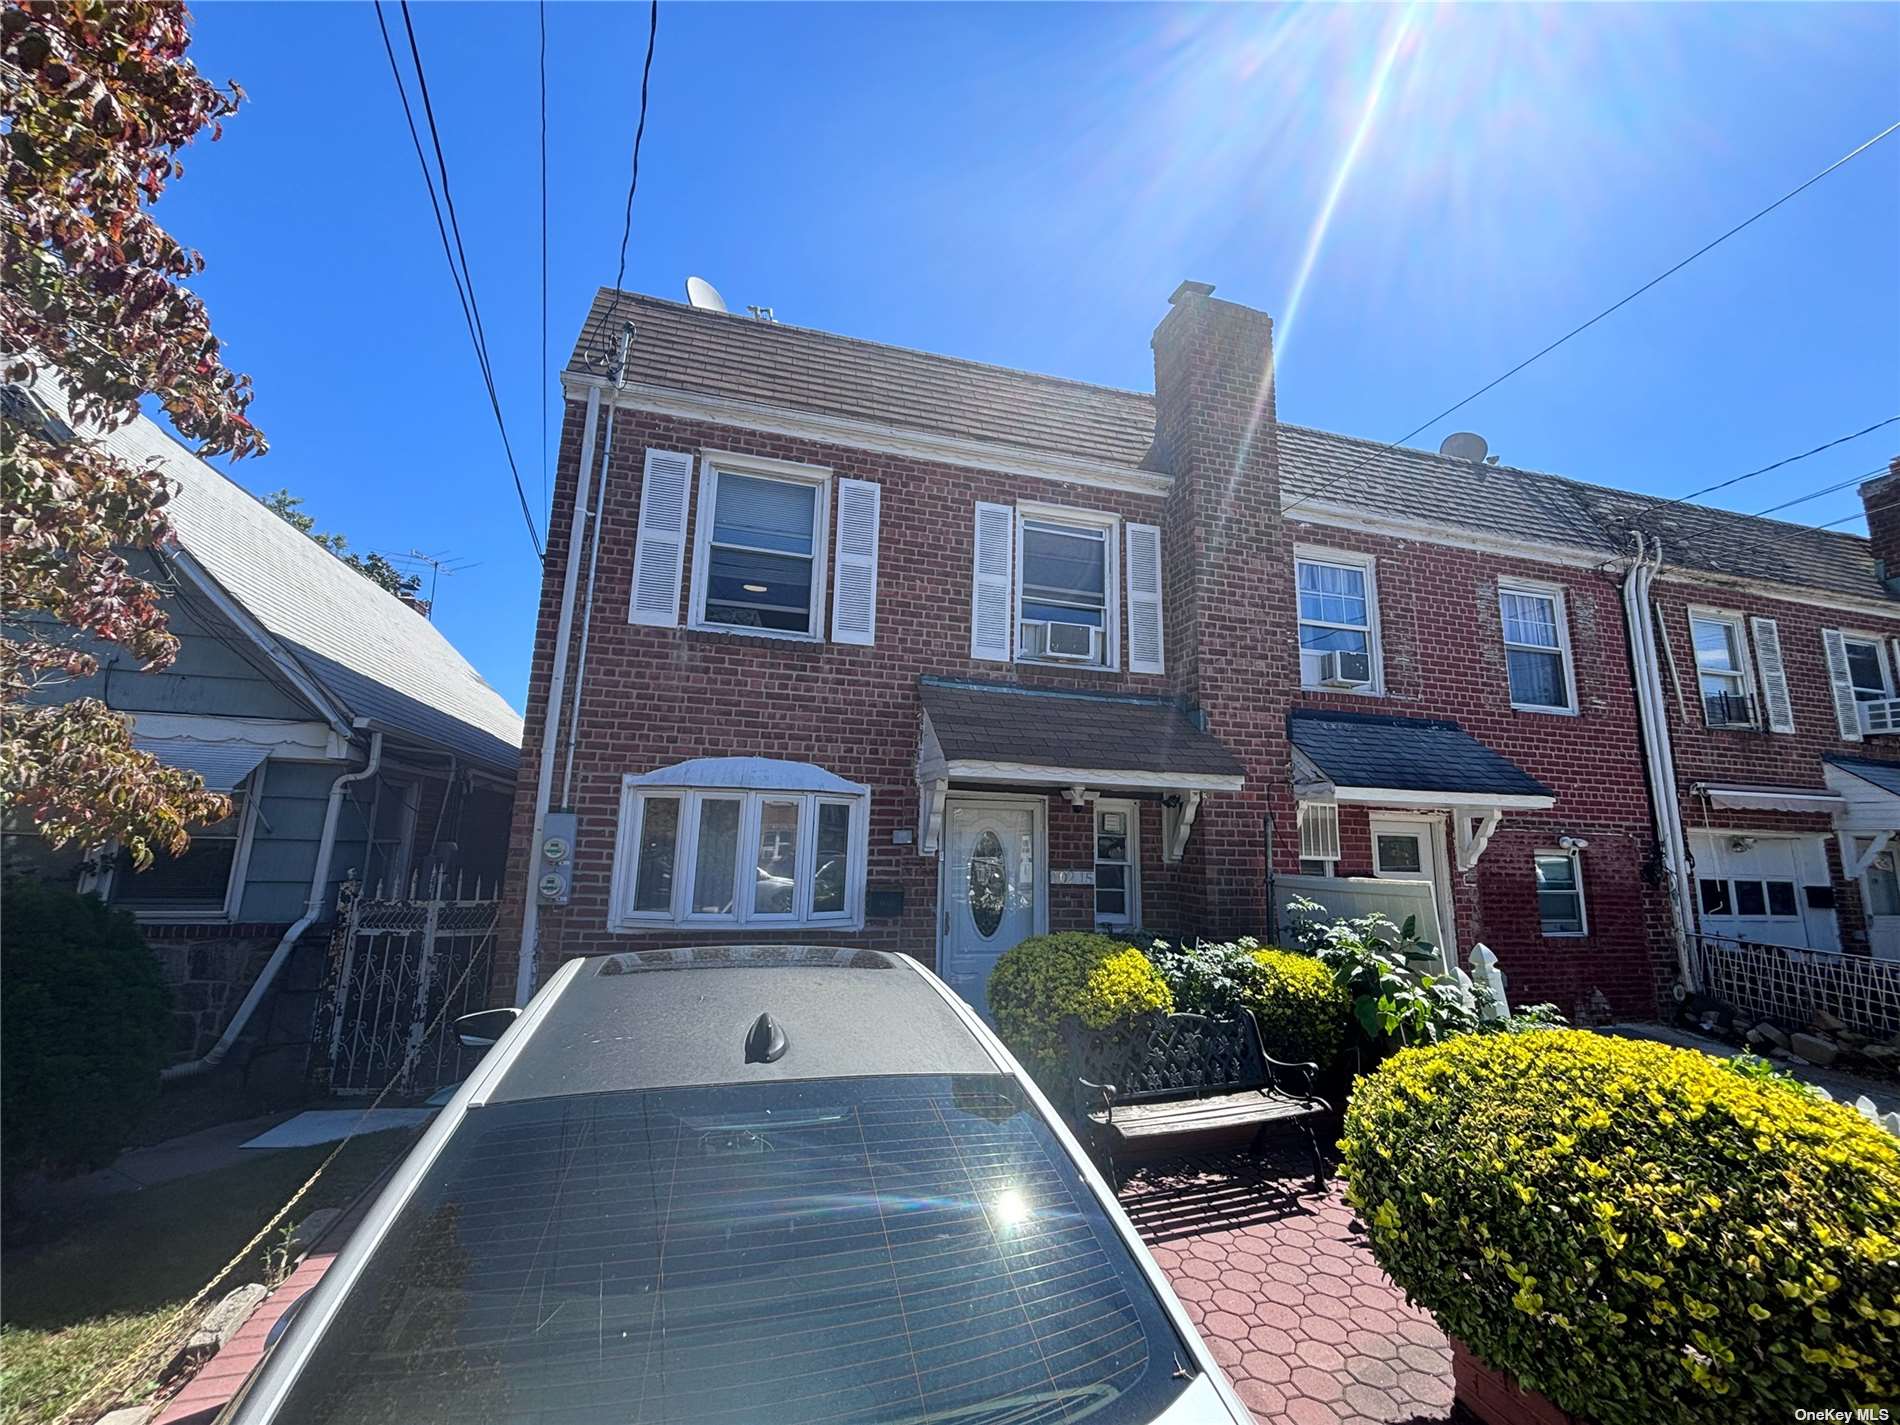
(1880, 716)
(1062, 642)
(1345, 670)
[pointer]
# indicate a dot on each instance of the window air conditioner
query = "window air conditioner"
(1345, 670)
(1880, 716)
(1076, 641)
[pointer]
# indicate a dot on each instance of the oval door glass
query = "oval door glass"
(989, 884)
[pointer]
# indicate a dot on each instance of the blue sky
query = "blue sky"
(1421, 196)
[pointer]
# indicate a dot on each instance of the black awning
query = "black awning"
(1373, 752)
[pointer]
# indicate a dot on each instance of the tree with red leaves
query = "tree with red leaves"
(99, 100)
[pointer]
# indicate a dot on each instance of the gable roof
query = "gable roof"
(681, 348)
(362, 646)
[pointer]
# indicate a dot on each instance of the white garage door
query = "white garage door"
(1754, 888)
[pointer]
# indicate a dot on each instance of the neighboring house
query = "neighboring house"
(355, 743)
(876, 646)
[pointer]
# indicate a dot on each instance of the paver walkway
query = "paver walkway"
(1287, 1294)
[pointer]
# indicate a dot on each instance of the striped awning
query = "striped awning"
(222, 764)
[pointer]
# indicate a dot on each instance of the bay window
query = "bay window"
(780, 844)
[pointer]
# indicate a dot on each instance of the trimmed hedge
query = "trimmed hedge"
(1634, 1230)
(1046, 978)
(1300, 1008)
(85, 1027)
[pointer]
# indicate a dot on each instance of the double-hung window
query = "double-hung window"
(1065, 591)
(1338, 622)
(1560, 893)
(759, 560)
(1536, 647)
(781, 844)
(1721, 664)
(1117, 863)
(205, 880)
(1867, 668)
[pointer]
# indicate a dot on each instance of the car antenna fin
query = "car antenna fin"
(764, 1041)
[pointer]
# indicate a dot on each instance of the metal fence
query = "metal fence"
(1773, 982)
(402, 969)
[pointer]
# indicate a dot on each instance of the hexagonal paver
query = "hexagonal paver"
(1292, 1304)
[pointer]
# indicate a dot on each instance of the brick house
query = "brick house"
(874, 646)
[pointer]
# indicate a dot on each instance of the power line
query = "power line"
(541, 13)
(463, 279)
(1613, 307)
(1858, 514)
(1776, 465)
(1824, 490)
(639, 132)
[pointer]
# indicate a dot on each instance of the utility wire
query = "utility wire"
(541, 14)
(462, 278)
(1585, 326)
(1776, 465)
(1824, 490)
(639, 132)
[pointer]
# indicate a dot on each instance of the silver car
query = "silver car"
(768, 1184)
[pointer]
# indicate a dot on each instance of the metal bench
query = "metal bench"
(1159, 1078)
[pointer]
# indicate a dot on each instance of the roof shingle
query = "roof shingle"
(1409, 753)
(995, 722)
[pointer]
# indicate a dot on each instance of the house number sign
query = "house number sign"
(1072, 878)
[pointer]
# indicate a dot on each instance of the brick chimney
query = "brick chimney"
(1231, 632)
(1880, 497)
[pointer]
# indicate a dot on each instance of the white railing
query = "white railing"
(1879, 716)
(1773, 982)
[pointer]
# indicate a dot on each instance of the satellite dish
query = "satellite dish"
(1464, 445)
(703, 295)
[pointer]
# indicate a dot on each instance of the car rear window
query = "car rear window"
(880, 1250)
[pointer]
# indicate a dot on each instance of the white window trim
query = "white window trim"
(1851, 635)
(253, 788)
(1558, 853)
(1132, 883)
(1744, 660)
(1509, 584)
(711, 464)
(1368, 565)
(637, 791)
(1111, 524)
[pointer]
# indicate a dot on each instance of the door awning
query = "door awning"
(1373, 759)
(999, 735)
(222, 764)
(1747, 797)
(1868, 792)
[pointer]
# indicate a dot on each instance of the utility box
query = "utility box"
(554, 872)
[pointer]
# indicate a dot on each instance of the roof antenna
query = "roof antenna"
(764, 1041)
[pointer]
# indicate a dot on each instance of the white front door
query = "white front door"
(1406, 848)
(1753, 888)
(1880, 894)
(992, 869)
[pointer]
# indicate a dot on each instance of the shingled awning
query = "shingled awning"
(1867, 815)
(1377, 760)
(997, 734)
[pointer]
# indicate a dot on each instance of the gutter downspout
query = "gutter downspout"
(1658, 754)
(557, 688)
(313, 908)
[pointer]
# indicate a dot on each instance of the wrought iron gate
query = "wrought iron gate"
(401, 971)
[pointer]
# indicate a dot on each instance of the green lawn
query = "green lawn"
(75, 1306)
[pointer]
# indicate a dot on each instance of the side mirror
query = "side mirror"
(481, 1029)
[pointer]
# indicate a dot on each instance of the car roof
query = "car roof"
(649, 1019)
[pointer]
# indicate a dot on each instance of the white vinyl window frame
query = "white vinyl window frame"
(1109, 526)
(713, 464)
(692, 802)
(1366, 565)
(121, 893)
(1866, 693)
(1739, 678)
(1130, 862)
(1575, 888)
(1560, 616)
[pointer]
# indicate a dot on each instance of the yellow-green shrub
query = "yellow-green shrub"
(1300, 1008)
(1635, 1231)
(1035, 986)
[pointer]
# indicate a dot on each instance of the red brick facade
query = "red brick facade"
(653, 696)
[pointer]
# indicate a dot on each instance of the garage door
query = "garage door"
(1756, 888)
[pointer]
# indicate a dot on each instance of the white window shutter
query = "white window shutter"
(659, 552)
(854, 576)
(1144, 599)
(1846, 706)
(991, 594)
(1777, 704)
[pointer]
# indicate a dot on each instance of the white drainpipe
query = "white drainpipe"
(313, 908)
(1645, 660)
(551, 718)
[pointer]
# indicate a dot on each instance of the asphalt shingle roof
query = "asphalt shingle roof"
(1409, 753)
(368, 650)
(994, 722)
(1885, 775)
(711, 353)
